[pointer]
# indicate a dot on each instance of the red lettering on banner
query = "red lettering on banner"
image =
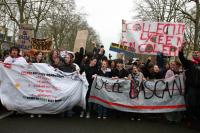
(42, 82)
(148, 48)
(132, 44)
(153, 38)
(168, 40)
(44, 95)
(26, 73)
(150, 37)
(170, 50)
(166, 50)
(131, 47)
(148, 28)
(44, 91)
(144, 36)
(160, 28)
(179, 41)
(38, 86)
(42, 77)
(173, 51)
(156, 48)
(139, 48)
(168, 26)
(161, 39)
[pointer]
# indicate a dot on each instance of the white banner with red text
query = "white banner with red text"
(143, 37)
(40, 89)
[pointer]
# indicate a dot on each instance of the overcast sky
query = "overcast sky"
(105, 17)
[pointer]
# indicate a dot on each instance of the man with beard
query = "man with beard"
(192, 95)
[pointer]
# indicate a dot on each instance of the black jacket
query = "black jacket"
(69, 68)
(192, 93)
(121, 74)
(89, 71)
(104, 74)
(192, 72)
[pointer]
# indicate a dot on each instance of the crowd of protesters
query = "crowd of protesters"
(96, 63)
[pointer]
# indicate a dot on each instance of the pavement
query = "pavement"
(22, 123)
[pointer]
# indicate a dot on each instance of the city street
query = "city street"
(99, 66)
(58, 124)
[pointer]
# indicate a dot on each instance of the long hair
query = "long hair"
(51, 54)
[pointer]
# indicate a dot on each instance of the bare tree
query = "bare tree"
(15, 6)
(38, 12)
(159, 10)
(193, 16)
(57, 19)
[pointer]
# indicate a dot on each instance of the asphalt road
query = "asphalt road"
(57, 124)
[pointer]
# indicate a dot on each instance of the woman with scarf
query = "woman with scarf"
(137, 77)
